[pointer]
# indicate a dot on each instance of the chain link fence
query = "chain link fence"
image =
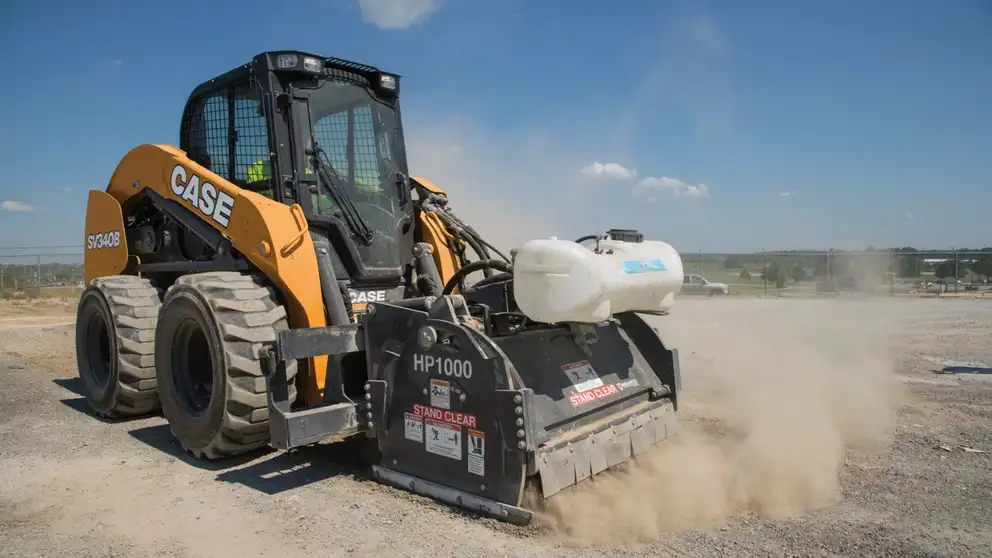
(840, 272)
(57, 271)
(41, 272)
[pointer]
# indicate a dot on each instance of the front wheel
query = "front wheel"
(210, 332)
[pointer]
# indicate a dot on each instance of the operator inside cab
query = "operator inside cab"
(260, 172)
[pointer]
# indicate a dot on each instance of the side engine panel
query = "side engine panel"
(273, 237)
(105, 246)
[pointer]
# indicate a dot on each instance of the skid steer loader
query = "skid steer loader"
(279, 280)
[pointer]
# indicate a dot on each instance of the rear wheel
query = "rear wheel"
(210, 332)
(115, 345)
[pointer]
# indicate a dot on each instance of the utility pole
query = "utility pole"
(764, 270)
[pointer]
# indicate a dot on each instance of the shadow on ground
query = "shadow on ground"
(160, 437)
(78, 404)
(964, 370)
(74, 385)
(302, 466)
(266, 470)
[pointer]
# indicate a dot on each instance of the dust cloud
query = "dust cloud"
(775, 393)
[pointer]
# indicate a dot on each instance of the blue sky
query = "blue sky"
(716, 126)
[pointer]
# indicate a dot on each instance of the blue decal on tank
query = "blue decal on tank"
(643, 266)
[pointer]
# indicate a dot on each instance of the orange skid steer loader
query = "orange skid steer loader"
(280, 280)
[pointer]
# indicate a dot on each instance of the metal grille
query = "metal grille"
(340, 70)
(332, 133)
(207, 132)
(252, 138)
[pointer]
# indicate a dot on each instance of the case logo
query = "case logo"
(363, 297)
(206, 198)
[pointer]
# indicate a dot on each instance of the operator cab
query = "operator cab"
(324, 133)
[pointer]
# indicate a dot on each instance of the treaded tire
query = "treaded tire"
(210, 330)
(115, 345)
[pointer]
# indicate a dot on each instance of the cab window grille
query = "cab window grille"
(251, 139)
(227, 133)
(332, 133)
(206, 133)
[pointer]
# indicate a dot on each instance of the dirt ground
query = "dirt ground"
(809, 428)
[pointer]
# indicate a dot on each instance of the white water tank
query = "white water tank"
(563, 281)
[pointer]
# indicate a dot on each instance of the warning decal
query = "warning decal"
(440, 394)
(582, 376)
(477, 452)
(413, 427)
(454, 417)
(444, 439)
(579, 399)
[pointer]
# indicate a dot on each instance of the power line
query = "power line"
(39, 247)
(40, 255)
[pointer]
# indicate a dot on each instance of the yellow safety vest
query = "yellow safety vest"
(259, 170)
(262, 170)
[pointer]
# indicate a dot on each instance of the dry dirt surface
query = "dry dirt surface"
(809, 428)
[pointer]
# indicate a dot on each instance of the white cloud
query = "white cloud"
(788, 194)
(910, 215)
(116, 62)
(15, 206)
(612, 170)
(66, 190)
(397, 14)
(652, 188)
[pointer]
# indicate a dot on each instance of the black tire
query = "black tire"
(115, 345)
(210, 330)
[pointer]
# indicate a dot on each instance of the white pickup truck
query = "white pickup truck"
(699, 284)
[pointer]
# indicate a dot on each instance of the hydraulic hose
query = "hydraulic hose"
(460, 275)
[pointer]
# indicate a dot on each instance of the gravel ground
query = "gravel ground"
(809, 428)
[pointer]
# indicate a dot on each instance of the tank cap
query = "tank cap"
(625, 235)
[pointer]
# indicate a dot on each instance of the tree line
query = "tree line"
(907, 262)
(27, 274)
